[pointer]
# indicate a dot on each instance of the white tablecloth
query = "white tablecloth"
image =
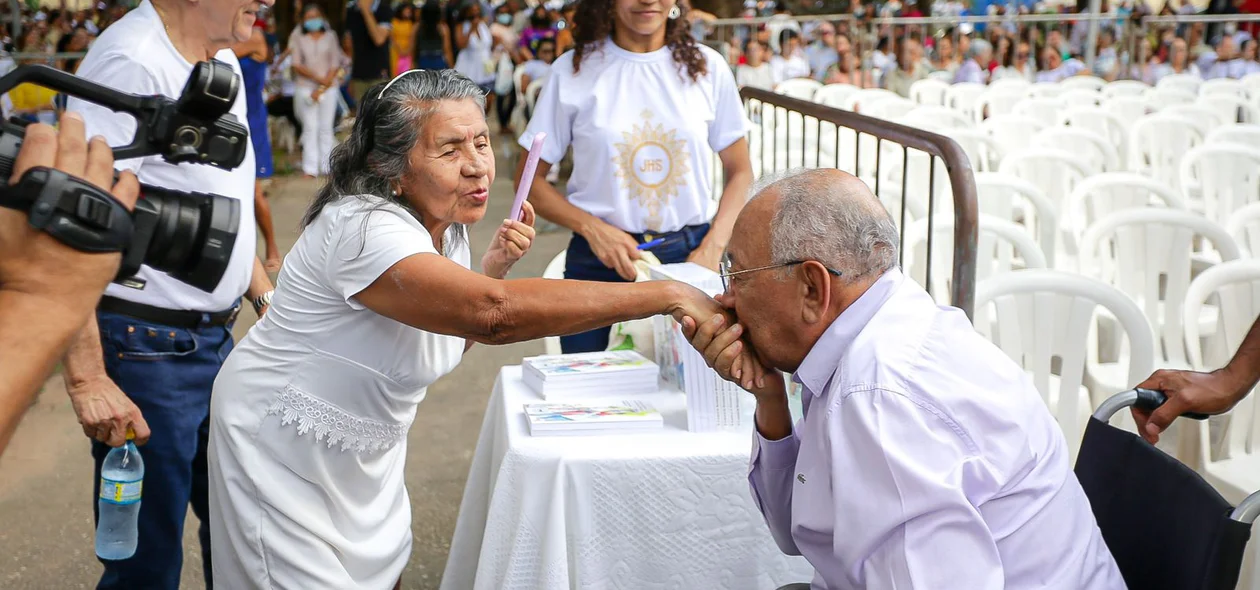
(639, 511)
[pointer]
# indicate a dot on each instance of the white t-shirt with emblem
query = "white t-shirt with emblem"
(644, 135)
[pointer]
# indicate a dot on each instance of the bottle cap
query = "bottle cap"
(131, 434)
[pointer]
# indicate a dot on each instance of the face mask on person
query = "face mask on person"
(313, 24)
(504, 19)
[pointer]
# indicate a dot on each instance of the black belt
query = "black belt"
(167, 317)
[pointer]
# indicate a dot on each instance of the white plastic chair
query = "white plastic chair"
(1252, 83)
(865, 97)
(1087, 143)
(1056, 172)
(834, 95)
(888, 108)
(554, 270)
(1225, 177)
(962, 97)
(1244, 227)
(1010, 83)
(1090, 83)
(1101, 195)
(1077, 98)
(1160, 98)
(1119, 88)
(1226, 86)
(929, 91)
(1096, 119)
(1001, 246)
(939, 117)
(1146, 254)
(1157, 143)
(997, 101)
(1126, 108)
(1228, 109)
(1188, 83)
(1012, 132)
(1044, 90)
(802, 88)
(1036, 316)
(942, 75)
(1009, 197)
(1246, 134)
(1045, 110)
(983, 151)
(1236, 288)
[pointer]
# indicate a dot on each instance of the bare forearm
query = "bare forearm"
(259, 282)
(378, 33)
(1244, 368)
(32, 338)
(536, 308)
(85, 359)
(773, 417)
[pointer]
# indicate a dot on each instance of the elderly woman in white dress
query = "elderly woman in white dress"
(376, 301)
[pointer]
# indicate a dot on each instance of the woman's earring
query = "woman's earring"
(675, 12)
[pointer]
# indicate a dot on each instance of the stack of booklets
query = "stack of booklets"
(612, 372)
(713, 404)
(590, 418)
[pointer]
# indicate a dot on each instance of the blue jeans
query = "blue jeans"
(168, 373)
(582, 264)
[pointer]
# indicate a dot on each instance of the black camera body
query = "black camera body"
(185, 234)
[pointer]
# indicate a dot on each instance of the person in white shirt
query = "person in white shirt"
(1178, 63)
(1226, 63)
(823, 51)
(1019, 64)
(925, 457)
(755, 73)
(791, 62)
(1055, 69)
(644, 110)
(147, 360)
(377, 301)
(781, 21)
(975, 69)
(539, 68)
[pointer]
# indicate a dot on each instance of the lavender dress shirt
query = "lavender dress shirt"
(925, 459)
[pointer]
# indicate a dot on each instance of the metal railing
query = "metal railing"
(790, 133)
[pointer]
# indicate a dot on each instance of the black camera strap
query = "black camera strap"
(76, 213)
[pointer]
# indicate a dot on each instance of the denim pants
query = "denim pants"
(582, 264)
(168, 373)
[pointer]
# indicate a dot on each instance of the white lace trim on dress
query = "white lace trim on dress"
(327, 420)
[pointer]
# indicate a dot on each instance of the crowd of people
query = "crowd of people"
(894, 57)
(295, 469)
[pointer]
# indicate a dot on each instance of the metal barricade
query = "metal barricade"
(791, 133)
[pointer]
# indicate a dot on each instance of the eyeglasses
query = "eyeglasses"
(724, 270)
(1022, 55)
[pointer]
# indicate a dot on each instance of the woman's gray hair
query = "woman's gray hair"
(374, 158)
(828, 222)
(977, 48)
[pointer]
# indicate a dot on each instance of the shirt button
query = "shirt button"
(800, 477)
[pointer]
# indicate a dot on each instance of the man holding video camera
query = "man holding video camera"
(148, 360)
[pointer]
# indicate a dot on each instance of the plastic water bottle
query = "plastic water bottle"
(122, 477)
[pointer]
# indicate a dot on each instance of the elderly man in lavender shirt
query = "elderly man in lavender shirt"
(976, 69)
(925, 457)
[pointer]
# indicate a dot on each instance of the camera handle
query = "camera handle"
(75, 212)
(143, 108)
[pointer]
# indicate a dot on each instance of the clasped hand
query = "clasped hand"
(511, 241)
(720, 339)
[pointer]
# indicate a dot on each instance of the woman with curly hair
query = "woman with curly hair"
(644, 108)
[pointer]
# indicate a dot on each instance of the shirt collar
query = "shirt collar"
(820, 364)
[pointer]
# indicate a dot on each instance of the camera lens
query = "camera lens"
(210, 90)
(190, 235)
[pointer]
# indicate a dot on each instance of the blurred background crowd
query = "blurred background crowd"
(507, 46)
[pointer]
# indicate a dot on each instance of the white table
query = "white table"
(669, 509)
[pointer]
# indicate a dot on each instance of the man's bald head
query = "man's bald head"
(823, 214)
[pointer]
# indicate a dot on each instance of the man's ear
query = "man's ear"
(816, 292)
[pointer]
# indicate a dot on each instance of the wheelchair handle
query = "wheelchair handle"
(1146, 399)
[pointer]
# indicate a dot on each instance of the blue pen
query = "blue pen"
(651, 243)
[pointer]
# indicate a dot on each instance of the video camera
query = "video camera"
(188, 235)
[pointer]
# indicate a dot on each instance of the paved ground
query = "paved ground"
(47, 489)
